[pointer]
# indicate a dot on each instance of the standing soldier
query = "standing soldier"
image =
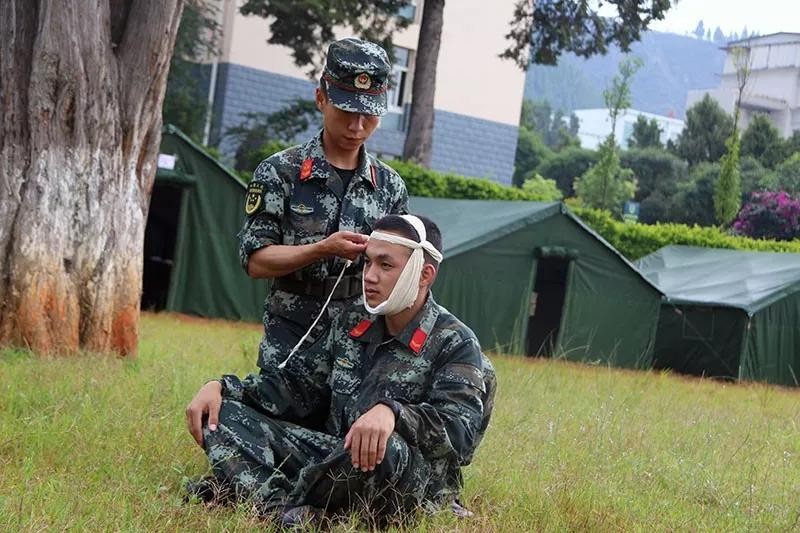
(309, 208)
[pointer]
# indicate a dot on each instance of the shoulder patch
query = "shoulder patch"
(360, 328)
(305, 169)
(254, 198)
(417, 341)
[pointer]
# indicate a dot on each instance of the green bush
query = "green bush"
(531, 151)
(566, 165)
(421, 181)
(546, 189)
(637, 240)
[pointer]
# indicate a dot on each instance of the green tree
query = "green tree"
(788, 175)
(654, 170)
(262, 134)
(792, 144)
(185, 101)
(550, 125)
(755, 177)
(728, 189)
(606, 185)
(705, 132)
(646, 134)
(694, 201)
(565, 166)
(762, 140)
(541, 31)
(618, 96)
(531, 152)
(545, 189)
(700, 30)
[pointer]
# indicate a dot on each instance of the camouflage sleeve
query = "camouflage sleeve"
(448, 422)
(400, 207)
(298, 390)
(264, 208)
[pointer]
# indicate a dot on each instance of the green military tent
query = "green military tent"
(190, 252)
(728, 313)
(531, 277)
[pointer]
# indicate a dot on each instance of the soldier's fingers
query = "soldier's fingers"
(196, 426)
(372, 451)
(355, 449)
(382, 440)
(348, 439)
(354, 237)
(213, 415)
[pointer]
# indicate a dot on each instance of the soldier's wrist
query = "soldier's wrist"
(394, 405)
(320, 249)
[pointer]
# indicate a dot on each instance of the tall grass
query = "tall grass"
(96, 443)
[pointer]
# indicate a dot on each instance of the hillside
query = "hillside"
(673, 64)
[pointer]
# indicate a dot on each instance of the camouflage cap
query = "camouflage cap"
(356, 76)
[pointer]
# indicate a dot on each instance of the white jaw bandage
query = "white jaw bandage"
(405, 291)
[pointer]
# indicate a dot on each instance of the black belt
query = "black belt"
(349, 286)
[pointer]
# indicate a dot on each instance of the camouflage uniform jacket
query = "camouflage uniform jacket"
(434, 368)
(295, 198)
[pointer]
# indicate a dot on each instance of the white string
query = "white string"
(324, 307)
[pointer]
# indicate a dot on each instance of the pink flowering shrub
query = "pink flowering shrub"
(769, 215)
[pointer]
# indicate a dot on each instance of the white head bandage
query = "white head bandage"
(405, 291)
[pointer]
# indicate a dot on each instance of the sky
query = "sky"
(763, 16)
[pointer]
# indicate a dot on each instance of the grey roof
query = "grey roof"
(745, 280)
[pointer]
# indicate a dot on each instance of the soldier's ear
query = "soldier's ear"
(320, 99)
(428, 275)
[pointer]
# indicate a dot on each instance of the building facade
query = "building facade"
(595, 126)
(773, 86)
(478, 95)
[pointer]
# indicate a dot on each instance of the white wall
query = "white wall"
(471, 78)
(595, 126)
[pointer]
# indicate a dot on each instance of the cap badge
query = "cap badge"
(363, 81)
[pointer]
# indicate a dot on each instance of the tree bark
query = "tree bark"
(81, 88)
(418, 146)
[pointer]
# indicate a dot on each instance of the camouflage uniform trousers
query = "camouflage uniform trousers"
(273, 462)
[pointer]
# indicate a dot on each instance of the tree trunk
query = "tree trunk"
(419, 138)
(81, 88)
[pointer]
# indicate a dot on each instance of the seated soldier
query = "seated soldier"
(401, 388)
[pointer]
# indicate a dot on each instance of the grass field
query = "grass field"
(96, 443)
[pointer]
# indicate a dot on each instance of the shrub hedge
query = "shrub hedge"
(421, 181)
(637, 240)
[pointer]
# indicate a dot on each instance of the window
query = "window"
(398, 80)
(408, 11)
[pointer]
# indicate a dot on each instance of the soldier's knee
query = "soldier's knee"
(396, 459)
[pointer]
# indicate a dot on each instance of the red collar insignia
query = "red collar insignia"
(417, 341)
(373, 176)
(360, 328)
(305, 169)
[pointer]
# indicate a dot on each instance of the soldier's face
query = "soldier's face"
(348, 131)
(383, 263)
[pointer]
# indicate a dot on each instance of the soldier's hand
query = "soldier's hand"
(345, 244)
(206, 402)
(368, 436)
